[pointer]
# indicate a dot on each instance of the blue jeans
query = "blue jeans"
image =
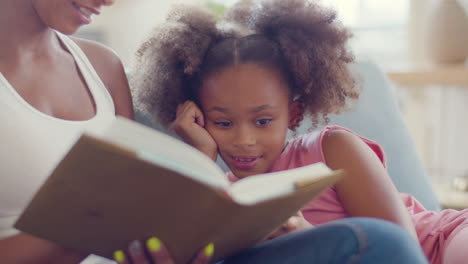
(350, 240)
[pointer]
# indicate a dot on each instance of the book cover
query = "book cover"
(105, 193)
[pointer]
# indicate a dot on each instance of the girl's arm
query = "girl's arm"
(27, 249)
(366, 189)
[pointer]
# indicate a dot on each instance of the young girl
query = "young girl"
(235, 88)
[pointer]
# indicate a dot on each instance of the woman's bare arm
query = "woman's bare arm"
(26, 249)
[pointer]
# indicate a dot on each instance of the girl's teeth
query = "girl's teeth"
(244, 160)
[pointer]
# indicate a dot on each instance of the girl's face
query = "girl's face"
(67, 16)
(246, 110)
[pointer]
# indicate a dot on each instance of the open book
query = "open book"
(131, 182)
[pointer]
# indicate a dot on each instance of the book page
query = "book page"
(263, 187)
(163, 150)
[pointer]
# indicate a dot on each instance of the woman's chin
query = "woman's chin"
(70, 30)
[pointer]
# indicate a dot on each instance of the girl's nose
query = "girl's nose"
(244, 137)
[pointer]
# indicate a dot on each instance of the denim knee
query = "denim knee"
(346, 241)
(383, 240)
(334, 243)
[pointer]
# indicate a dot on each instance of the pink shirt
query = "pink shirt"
(434, 229)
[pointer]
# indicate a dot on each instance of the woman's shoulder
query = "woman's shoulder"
(97, 53)
(104, 60)
(98, 50)
(111, 71)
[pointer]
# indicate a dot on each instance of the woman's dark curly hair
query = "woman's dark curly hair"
(299, 38)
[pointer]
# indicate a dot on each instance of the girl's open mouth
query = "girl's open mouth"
(245, 162)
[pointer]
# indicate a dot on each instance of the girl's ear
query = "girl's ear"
(296, 114)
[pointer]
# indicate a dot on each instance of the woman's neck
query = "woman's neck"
(22, 31)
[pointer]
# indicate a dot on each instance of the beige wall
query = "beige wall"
(436, 115)
(126, 24)
(418, 25)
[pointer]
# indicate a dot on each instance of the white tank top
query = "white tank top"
(32, 143)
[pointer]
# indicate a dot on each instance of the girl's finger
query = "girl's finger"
(158, 252)
(279, 232)
(137, 253)
(179, 110)
(299, 214)
(189, 112)
(292, 224)
(198, 116)
(182, 108)
(205, 255)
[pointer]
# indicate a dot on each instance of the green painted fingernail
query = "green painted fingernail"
(153, 244)
(119, 256)
(209, 250)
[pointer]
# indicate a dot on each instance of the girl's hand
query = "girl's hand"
(155, 252)
(190, 126)
(294, 223)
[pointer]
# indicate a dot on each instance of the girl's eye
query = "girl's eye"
(263, 122)
(223, 124)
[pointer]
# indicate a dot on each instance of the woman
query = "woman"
(49, 92)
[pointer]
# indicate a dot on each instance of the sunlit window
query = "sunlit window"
(362, 13)
(379, 26)
(371, 13)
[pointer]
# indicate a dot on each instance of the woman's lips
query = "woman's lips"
(85, 13)
(244, 162)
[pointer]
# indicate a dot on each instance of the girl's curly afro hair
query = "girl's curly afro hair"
(299, 38)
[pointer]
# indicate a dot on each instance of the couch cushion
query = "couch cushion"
(377, 116)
